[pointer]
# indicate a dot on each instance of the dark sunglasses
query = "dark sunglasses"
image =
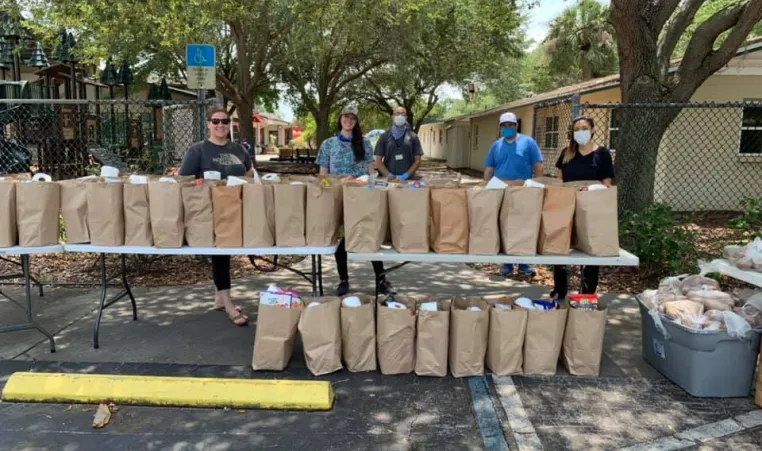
(216, 121)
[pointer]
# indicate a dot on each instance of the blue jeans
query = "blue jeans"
(508, 269)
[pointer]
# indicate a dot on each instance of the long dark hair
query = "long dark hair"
(573, 147)
(357, 146)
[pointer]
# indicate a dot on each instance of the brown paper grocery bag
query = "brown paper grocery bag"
(320, 328)
(258, 215)
(105, 213)
(366, 217)
(758, 383)
(395, 337)
(557, 220)
(37, 207)
(507, 328)
(469, 332)
(431, 344)
(137, 216)
(274, 337)
(290, 215)
(484, 220)
(542, 344)
(583, 341)
(198, 213)
(408, 220)
(165, 203)
(74, 211)
(520, 216)
(227, 209)
(358, 336)
(449, 220)
(596, 223)
(324, 211)
(8, 231)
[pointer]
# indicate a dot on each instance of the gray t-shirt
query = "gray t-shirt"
(228, 160)
(398, 155)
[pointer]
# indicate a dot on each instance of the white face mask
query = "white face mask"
(582, 137)
(399, 121)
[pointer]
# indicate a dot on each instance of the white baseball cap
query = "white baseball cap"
(508, 117)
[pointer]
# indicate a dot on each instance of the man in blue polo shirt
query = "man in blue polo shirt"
(513, 157)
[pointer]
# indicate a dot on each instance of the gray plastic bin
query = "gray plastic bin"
(706, 364)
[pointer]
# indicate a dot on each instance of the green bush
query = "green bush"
(750, 220)
(656, 237)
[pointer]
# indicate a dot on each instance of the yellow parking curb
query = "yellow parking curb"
(169, 391)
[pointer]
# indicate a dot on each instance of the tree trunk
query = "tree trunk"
(584, 64)
(323, 127)
(246, 127)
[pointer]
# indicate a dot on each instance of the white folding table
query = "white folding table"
(387, 254)
(315, 278)
(30, 323)
(731, 270)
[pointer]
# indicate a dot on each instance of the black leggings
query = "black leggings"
(561, 280)
(341, 263)
(221, 271)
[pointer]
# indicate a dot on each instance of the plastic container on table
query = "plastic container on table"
(706, 364)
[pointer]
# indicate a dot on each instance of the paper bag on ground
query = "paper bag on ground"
(290, 214)
(8, 231)
(449, 220)
(366, 217)
(544, 336)
(358, 336)
(469, 332)
(74, 211)
(320, 328)
(396, 337)
(596, 223)
(165, 203)
(324, 211)
(520, 216)
(557, 220)
(433, 335)
(198, 214)
(583, 341)
(227, 209)
(483, 220)
(505, 348)
(37, 207)
(258, 215)
(408, 220)
(274, 337)
(137, 216)
(105, 212)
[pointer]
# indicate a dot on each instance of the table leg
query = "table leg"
(128, 289)
(101, 302)
(28, 293)
(320, 273)
(314, 276)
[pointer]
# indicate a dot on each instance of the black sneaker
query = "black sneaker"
(343, 288)
(385, 287)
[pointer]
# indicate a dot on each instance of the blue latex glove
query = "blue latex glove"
(403, 177)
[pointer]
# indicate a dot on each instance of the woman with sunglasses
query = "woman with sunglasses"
(217, 153)
(349, 154)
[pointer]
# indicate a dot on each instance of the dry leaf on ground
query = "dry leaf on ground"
(102, 416)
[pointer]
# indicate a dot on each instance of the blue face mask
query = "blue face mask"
(508, 132)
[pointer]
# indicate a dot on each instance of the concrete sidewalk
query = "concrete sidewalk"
(176, 333)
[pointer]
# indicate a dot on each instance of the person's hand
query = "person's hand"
(403, 177)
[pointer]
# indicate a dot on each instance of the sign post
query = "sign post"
(201, 67)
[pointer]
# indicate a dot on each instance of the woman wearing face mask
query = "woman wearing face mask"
(217, 153)
(583, 160)
(348, 154)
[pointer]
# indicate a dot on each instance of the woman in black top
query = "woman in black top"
(217, 153)
(583, 160)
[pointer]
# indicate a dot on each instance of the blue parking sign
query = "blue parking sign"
(200, 55)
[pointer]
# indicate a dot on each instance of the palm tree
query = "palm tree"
(582, 38)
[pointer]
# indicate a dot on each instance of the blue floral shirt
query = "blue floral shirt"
(337, 156)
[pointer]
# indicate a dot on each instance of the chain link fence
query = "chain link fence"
(709, 157)
(68, 138)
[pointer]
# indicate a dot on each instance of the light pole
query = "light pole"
(12, 35)
(126, 78)
(109, 78)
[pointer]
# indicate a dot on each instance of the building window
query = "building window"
(751, 130)
(551, 132)
(440, 136)
(614, 124)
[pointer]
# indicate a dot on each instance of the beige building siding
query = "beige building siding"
(433, 139)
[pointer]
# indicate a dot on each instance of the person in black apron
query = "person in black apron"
(398, 151)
